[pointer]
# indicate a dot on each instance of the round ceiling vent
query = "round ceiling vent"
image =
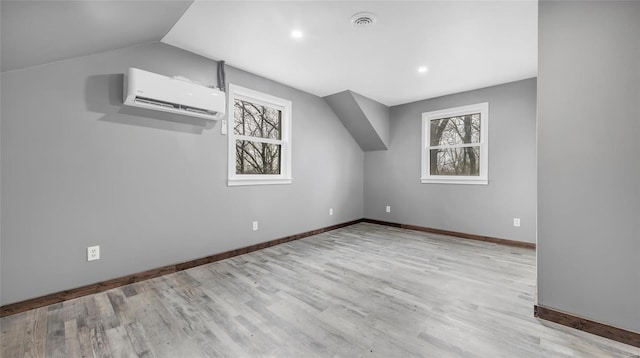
(363, 19)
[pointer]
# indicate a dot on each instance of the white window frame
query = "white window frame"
(285, 106)
(427, 117)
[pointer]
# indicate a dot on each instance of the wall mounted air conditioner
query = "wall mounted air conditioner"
(153, 91)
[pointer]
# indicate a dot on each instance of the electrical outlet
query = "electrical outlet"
(516, 222)
(93, 253)
(255, 225)
(331, 211)
(388, 208)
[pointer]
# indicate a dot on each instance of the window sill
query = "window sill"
(455, 181)
(241, 182)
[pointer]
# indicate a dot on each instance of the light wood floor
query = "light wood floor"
(361, 291)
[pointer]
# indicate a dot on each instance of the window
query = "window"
(259, 128)
(454, 145)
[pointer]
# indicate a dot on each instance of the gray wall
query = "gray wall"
(393, 177)
(79, 169)
(588, 160)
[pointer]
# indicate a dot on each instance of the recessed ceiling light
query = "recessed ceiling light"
(296, 34)
(422, 69)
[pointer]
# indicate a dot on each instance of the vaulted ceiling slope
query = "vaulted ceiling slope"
(38, 32)
(462, 45)
(366, 119)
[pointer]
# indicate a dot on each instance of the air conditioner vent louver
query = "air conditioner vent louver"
(173, 106)
(152, 91)
(156, 103)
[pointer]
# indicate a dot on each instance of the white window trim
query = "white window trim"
(285, 106)
(483, 178)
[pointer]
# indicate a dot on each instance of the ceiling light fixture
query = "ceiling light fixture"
(363, 19)
(422, 69)
(296, 34)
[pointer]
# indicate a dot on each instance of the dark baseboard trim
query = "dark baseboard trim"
(495, 240)
(600, 329)
(66, 295)
(545, 313)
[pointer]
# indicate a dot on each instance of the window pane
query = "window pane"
(455, 130)
(455, 161)
(257, 158)
(256, 120)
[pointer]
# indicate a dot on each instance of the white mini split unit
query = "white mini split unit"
(153, 91)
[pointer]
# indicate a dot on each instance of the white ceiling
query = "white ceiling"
(465, 44)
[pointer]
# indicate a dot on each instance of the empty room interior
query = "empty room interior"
(320, 178)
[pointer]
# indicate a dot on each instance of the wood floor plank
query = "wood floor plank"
(169, 338)
(71, 338)
(99, 342)
(14, 329)
(56, 345)
(36, 334)
(139, 340)
(360, 291)
(120, 343)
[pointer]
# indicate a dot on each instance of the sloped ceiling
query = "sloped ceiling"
(366, 119)
(38, 32)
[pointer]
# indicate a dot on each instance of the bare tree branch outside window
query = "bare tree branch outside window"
(455, 145)
(259, 150)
